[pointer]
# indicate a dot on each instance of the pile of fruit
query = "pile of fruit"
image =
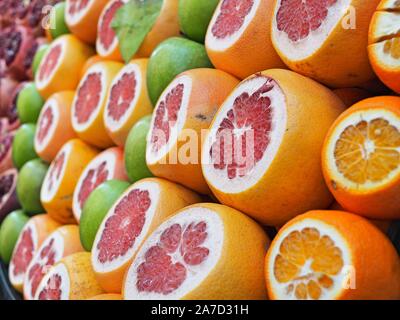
(186, 149)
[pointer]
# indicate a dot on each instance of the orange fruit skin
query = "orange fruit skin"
(90, 62)
(64, 130)
(172, 197)
(381, 203)
(66, 76)
(203, 100)
(86, 28)
(107, 296)
(331, 64)
(253, 52)
(375, 260)
(350, 96)
(60, 207)
(277, 197)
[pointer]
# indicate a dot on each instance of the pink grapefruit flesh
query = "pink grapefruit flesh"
(106, 32)
(50, 62)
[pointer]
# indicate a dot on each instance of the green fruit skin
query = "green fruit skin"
(195, 16)
(29, 104)
(23, 145)
(29, 184)
(135, 150)
(59, 23)
(172, 57)
(96, 207)
(38, 57)
(9, 233)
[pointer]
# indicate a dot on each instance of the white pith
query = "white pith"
(45, 194)
(354, 119)
(218, 44)
(154, 194)
(195, 274)
(61, 270)
(340, 280)
(389, 4)
(386, 24)
(80, 127)
(19, 279)
(110, 123)
(219, 178)
(58, 247)
(386, 60)
(151, 156)
(110, 158)
(50, 104)
(306, 47)
(72, 20)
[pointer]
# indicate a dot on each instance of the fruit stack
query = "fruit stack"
(185, 149)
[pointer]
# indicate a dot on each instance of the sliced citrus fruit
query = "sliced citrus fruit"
(60, 67)
(89, 103)
(197, 254)
(238, 39)
(60, 243)
(265, 136)
(324, 255)
(127, 100)
(62, 177)
(361, 158)
(82, 17)
(350, 96)
(107, 45)
(384, 43)
(90, 62)
(139, 210)
(72, 278)
(30, 239)
(186, 107)
(107, 296)
(105, 166)
(54, 127)
(316, 39)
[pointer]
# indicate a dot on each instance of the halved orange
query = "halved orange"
(361, 158)
(332, 255)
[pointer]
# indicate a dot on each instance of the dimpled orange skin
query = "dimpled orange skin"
(172, 198)
(253, 51)
(340, 44)
(375, 260)
(293, 182)
(350, 96)
(203, 103)
(380, 203)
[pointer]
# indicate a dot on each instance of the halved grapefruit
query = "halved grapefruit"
(139, 210)
(361, 158)
(72, 278)
(316, 39)
(61, 179)
(326, 255)
(107, 45)
(54, 127)
(263, 152)
(205, 251)
(127, 100)
(89, 63)
(30, 239)
(238, 39)
(82, 16)
(89, 102)
(61, 64)
(186, 107)
(60, 243)
(106, 166)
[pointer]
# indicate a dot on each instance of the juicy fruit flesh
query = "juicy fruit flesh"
(45, 124)
(23, 253)
(248, 121)
(55, 171)
(392, 47)
(88, 97)
(124, 225)
(368, 151)
(94, 178)
(165, 264)
(6, 183)
(298, 18)
(52, 290)
(5, 145)
(121, 96)
(107, 34)
(231, 17)
(166, 117)
(77, 5)
(50, 61)
(306, 263)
